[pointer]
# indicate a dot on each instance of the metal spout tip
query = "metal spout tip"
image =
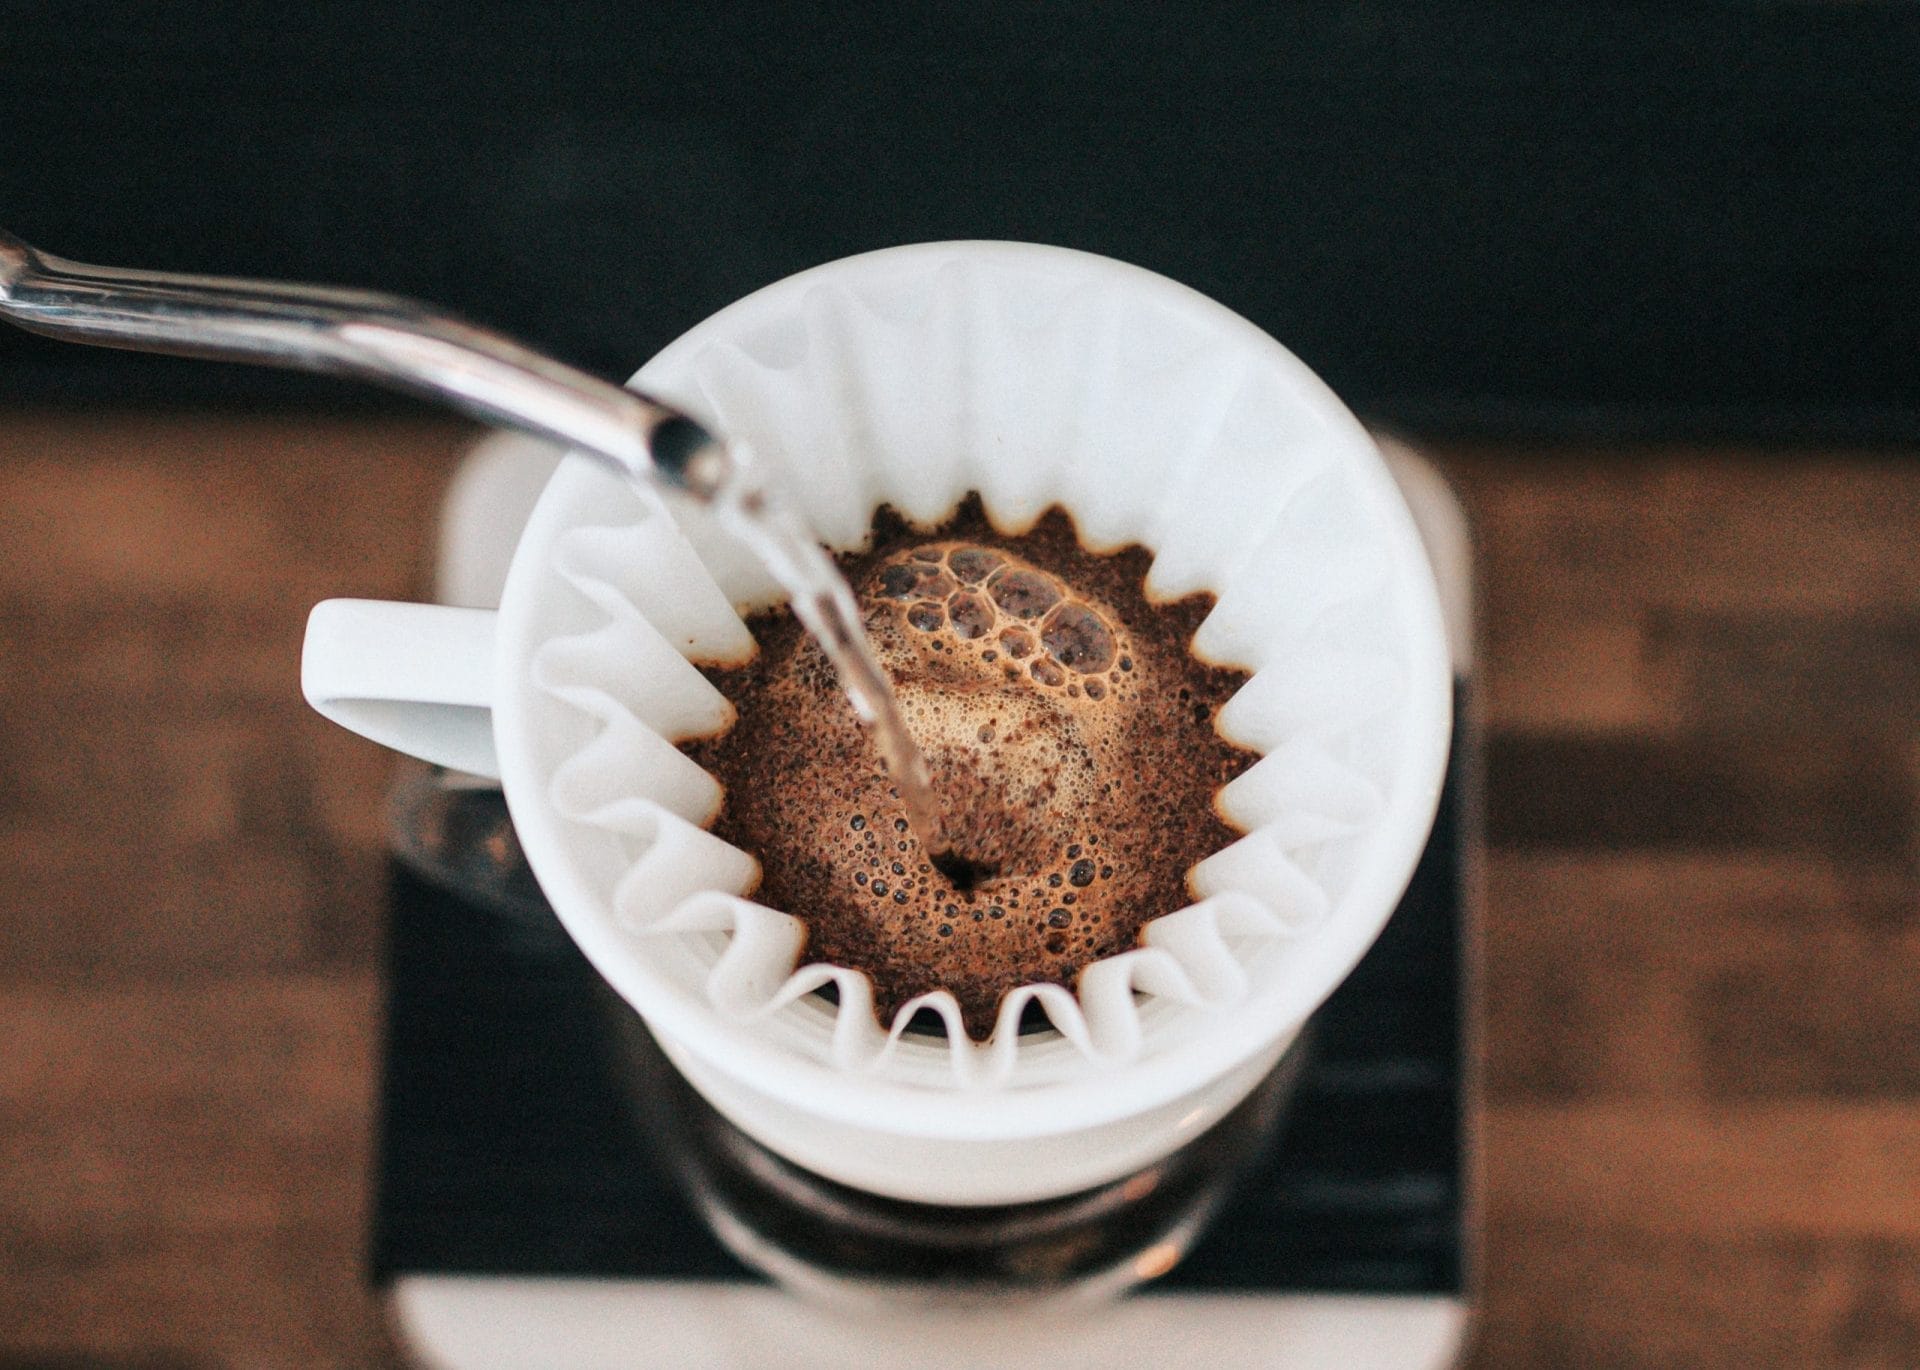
(688, 457)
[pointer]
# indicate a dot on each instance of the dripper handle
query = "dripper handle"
(414, 677)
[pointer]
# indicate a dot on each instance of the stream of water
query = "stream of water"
(773, 531)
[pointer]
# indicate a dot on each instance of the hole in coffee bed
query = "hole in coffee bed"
(962, 872)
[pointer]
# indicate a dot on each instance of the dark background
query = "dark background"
(1614, 221)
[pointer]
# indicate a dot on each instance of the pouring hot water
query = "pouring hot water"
(410, 346)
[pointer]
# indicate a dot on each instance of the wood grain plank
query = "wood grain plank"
(1811, 1167)
(1627, 1235)
(1845, 795)
(186, 1169)
(1583, 674)
(168, 805)
(190, 885)
(141, 1102)
(1602, 529)
(290, 1298)
(1699, 976)
(1784, 533)
(1857, 671)
(1595, 565)
(1570, 1297)
(226, 511)
(1577, 528)
(248, 839)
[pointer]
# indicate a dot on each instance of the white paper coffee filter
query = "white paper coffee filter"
(1153, 418)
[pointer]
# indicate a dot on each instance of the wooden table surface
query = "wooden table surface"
(1701, 1137)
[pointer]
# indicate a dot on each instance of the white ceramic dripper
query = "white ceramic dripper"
(1035, 376)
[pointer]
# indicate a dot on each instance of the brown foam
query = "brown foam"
(1070, 734)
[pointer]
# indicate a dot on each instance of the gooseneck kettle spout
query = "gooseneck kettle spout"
(387, 339)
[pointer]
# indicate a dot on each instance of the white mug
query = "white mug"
(1034, 375)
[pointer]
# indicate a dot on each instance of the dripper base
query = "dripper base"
(859, 1251)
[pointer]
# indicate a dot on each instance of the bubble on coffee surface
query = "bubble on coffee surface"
(1078, 790)
(995, 732)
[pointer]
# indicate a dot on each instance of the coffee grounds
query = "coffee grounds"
(1070, 733)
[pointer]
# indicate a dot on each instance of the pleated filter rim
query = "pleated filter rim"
(1033, 388)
